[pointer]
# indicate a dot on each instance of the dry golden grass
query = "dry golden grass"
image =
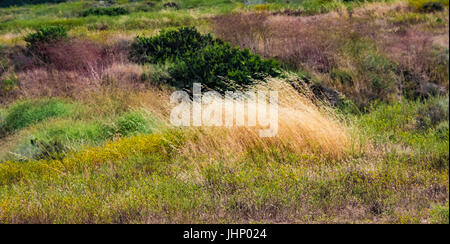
(302, 127)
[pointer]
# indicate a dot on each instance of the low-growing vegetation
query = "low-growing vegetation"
(8, 3)
(111, 11)
(363, 118)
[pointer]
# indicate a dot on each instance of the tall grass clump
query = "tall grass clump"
(45, 35)
(428, 6)
(58, 136)
(26, 113)
(169, 45)
(305, 126)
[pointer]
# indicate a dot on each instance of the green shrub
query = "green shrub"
(111, 11)
(169, 45)
(222, 68)
(48, 150)
(203, 59)
(157, 74)
(440, 214)
(37, 41)
(442, 131)
(60, 136)
(347, 106)
(379, 74)
(57, 137)
(430, 7)
(26, 113)
(47, 34)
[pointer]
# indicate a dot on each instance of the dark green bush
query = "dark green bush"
(46, 35)
(111, 11)
(222, 68)
(37, 41)
(132, 122)
(203, 59)
(169, 45)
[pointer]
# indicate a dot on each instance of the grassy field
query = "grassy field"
(85, 132)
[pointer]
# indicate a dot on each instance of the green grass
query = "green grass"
(40, 123)
(419, 128)
(440, 214)
(26, 113)
(161, 187)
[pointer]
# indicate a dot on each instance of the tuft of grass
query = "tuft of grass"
(303, 127)
(440, 214)
(62, 136)
(132, 123)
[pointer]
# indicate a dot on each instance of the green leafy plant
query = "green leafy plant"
(440, 214)
(201, 58)
(111, 11)
(428, 6)
(36, 42)
(132, 122)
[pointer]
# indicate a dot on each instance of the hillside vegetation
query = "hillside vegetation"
(85, 132)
